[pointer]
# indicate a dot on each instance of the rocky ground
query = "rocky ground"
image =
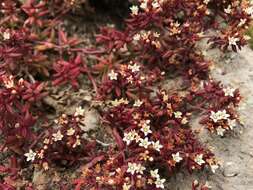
(234, 152)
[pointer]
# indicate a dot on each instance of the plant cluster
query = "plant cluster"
(150, 125)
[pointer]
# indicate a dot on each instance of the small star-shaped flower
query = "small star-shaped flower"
(146, 129)
(249, 10)
(144, 6)
(134, 68)
(144, 142)
(6, 35)
(231, 123)
(57, 136)
(184, 121)
(176, 157)
(220, 131)
(140, 168)
(112, 75)
(132, 168)
(138, 103)
(136, 37)
(154, 173)
(126, 186)
(229, 91)
(129, 137)
(199, 159)
(228, 10)
(155, 4)
(242, 22)
(70, 131)
(178, 114)
(77, 143)
(206, 1)
(30, 156)
(219, 115)
(134, 9)
(233, 41)
(160, 183)
(156, 35)
(157, 146)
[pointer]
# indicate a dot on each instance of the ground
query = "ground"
(234, 152)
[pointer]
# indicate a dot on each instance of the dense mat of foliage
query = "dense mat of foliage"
(126, 69)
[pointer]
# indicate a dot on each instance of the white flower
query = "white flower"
(112, 75)
(242, 22)
(70, 131)
(157, 146)
(132, 168)
(146, 129)
(117, 102)
(233, 41)
(8, 81)
(216, 116)
(229, 91)
(140, 168)
(160, 183)
(134, 68)
(46, 141)
(176, 157)
(231, 123)
(6, 35)
(134, 9)
(156, 35)
(228, 10)
(178, 114)
(220, 131)
(144, 5)
(57, 136)
(184, 121)
(249, 10)
(199, 159)
(246, 37)
(136, 38)
(214, 167)
(30, 156)
(154, 173)
(79, 111)
(155, 5)
(126, 186)
(144, 143)
(137, 137)
(129, 137)
(138, 103)
(135, 168)
(130, 79)
(206, 1)
(17, 125)
(41, 154)
(77, 143)
(144, 123)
